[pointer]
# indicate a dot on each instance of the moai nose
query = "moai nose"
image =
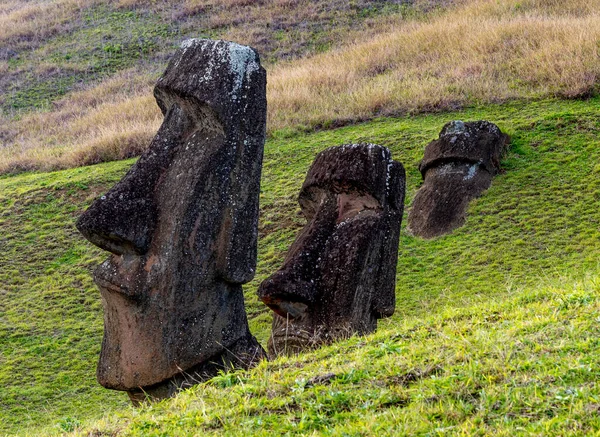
(121, 223)
(287, 294)
(123, 220)
(293, 288)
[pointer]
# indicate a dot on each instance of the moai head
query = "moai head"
(182, 228)
(338, 278)
(456, 168)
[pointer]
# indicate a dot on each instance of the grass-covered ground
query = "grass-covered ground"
(522, 364)
(48, 48)
(495, 331)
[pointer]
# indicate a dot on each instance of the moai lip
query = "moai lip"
(182, 229)
(338, 277)
(456, 168)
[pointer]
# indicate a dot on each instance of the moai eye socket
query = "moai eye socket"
(349, 204)
(355, 204)
(311, 201)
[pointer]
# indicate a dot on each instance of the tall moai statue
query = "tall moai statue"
(338, 277)
(456, 168)
(182, 229)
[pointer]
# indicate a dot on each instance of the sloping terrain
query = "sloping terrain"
(495, 329)
(48, 48)
(496, 325)
(76, 76)
(526, 365)
(364, 59)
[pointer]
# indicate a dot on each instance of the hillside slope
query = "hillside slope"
(364, 59)
(49, 48)
(496, 324)
(523, 364)
(67, 67)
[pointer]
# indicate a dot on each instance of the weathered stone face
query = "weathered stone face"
(182, 228)
(338, 277)
(456, 168)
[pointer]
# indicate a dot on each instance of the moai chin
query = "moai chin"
(456, 168)
(338, 277)
(182, 229)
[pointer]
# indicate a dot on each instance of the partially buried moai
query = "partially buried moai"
(338, 277)
(456, 168)
(182, 229)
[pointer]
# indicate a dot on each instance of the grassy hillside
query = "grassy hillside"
(367, 59)
(495, 328)
(48, 48)
(76, 75)
(480, 51)
(523, 365)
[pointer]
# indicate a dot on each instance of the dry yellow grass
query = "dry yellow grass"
(484, 51)
(24, 23)
(291, 28)
(113, 120)
(480, 51)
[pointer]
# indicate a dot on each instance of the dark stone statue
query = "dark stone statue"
(456, 168)
(338, 277)
(182, 229)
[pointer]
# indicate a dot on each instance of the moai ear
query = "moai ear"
(396, 186)
(384, 300)
(239, 231)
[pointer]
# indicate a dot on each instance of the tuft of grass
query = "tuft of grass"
(497, 316)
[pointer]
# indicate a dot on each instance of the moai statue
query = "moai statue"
(182, 229)
(456, 168)
(338, 277)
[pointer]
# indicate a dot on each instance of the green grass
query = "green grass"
(49, 325)
(104, 42)
(523, 366)
(495, 330)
